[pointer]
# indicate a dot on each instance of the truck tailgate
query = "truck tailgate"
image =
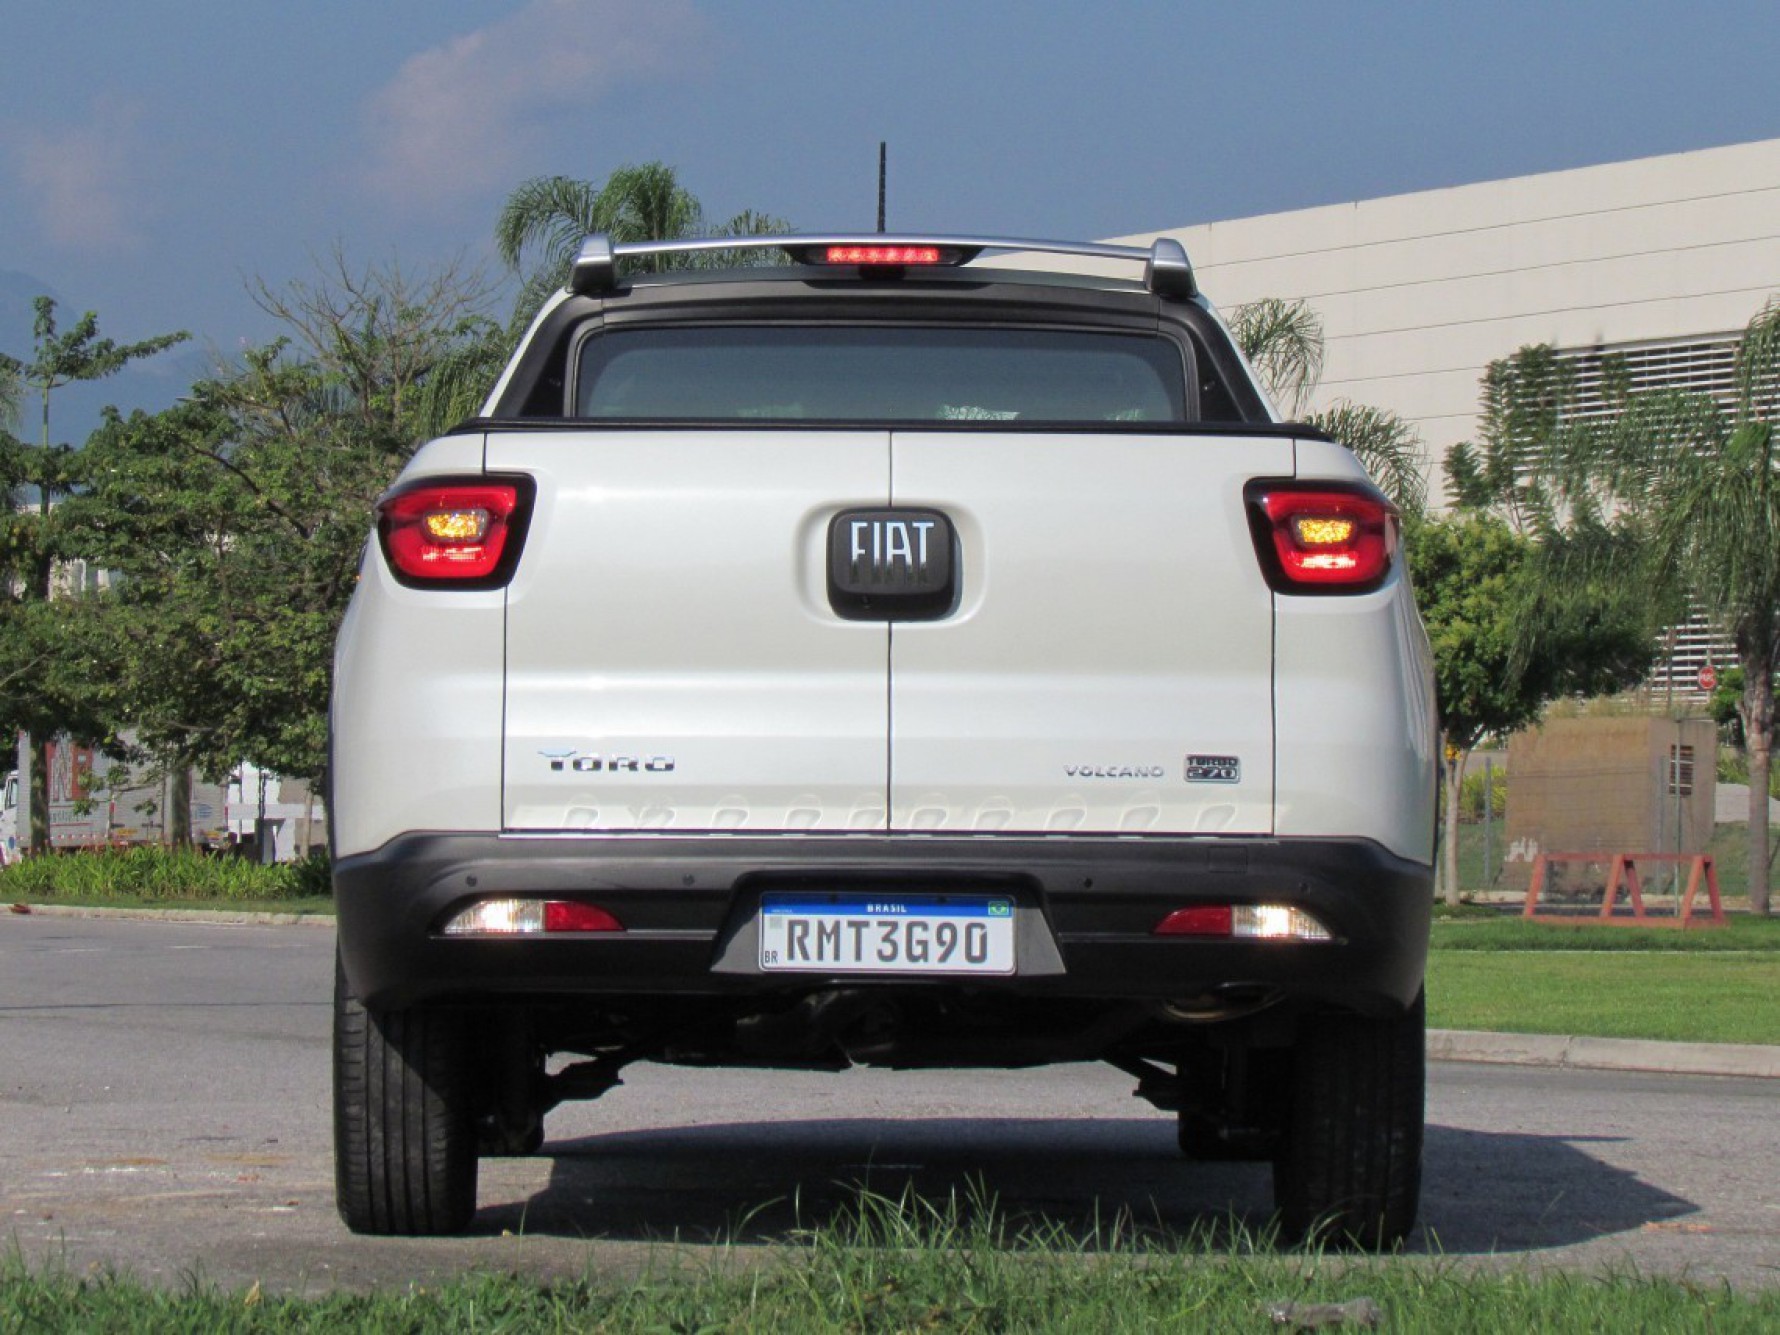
(1109, 666)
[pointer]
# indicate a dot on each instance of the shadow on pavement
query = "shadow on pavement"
(1097, 1180)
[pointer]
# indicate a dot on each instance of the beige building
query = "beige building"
(1663, 260)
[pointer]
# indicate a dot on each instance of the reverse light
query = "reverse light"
(464, 533)
(1323, 539)
(1252, 922)
(529, 917)
(462, 527)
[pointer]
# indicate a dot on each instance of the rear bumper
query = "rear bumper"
(1086, 909)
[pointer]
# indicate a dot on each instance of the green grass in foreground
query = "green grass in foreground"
(915, 1266)
(1698, 997)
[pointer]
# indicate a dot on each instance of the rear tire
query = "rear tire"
(1348, 1171)
(404, 1137)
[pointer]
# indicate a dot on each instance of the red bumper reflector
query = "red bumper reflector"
(1200, 920)
(528, 917)
(567, 916)
(1245, 922)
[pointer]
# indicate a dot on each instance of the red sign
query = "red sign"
(1708, 678)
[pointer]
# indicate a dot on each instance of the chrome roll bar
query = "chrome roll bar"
(1166, 269)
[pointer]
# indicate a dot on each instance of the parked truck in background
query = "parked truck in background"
(87, 811)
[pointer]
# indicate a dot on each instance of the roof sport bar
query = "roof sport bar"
(1166, 269)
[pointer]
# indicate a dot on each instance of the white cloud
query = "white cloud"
(450, 121)
(80, 180)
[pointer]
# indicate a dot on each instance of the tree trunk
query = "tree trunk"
(42, 578)
(1758, 733)
(179, 807)
(306, 826)
(39, 833)
(1452, 774)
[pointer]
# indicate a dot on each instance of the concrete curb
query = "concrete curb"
(1605, 1054)
(214, 917)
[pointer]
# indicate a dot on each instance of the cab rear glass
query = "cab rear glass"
(880, 374)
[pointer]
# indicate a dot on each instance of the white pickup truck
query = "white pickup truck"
(888, 659)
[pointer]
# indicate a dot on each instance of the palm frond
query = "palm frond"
(1283, 341)
(458, 383)
(1388, 446)
(647, 203)
(550, 216)
(1758, 364)
(745, 223)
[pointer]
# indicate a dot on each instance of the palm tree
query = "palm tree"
(540, 229)
(1387, 446)
(548, 217)
(1283, 341)
(1706, 488)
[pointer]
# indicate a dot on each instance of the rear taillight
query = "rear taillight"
(463, 533)
(529, 917)
(1244, 922)
(1322, 538)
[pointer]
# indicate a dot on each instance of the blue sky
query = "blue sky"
(154, 154)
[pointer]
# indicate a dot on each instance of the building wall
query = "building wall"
(1420, 292)
(1610, 785)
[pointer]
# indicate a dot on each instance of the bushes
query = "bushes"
(154, 875)
(1471, 795)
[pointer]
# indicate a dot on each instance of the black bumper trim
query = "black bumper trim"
(688, 905)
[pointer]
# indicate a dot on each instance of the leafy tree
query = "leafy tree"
(11, 394)
(378, 334)
(1504, 647)
(47, 469)
(237, 518)
(1705, 487)
(33, 538)
(1589, 600)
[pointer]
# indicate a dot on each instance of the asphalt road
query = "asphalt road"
(164, 1109)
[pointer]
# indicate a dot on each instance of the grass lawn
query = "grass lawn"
(915, 1266)
(1504, 931)
(305, 906)
(1703, 997)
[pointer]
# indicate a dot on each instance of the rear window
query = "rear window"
(880, 374)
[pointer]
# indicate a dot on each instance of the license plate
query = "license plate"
(886, 934)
